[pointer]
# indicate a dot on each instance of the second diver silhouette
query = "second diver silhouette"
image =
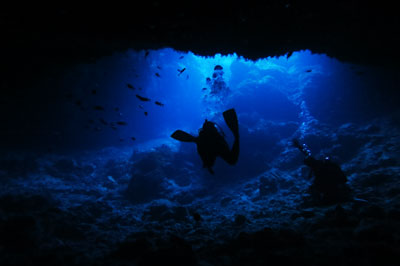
(211, 142)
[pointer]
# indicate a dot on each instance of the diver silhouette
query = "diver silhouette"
(211, 142)
(329, 184)
(218, 85)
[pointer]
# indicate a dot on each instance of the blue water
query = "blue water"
(297, 89)
(276, 99)
(109, 171)
(294, 91)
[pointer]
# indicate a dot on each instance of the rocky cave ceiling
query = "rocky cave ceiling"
(42, 37)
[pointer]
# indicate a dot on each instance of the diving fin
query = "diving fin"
(232, 121)
(183, 136)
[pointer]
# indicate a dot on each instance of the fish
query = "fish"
(159, 103)
(159, 67)
(187, 77)
(104, 122)
(145, 113)
(143, 99)
(122, 123)
(133, 138)
(98, 108)
(94, 92)
(308, 70)
(203, 89)
(181, 71)
(181, 57)
(116, 109)
(158, 75)
(146, 54)
(130, 86)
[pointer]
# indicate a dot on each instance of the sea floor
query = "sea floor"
(116, 207)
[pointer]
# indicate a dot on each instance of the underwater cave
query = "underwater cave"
(90, 175)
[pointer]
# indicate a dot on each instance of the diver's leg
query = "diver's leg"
(208, 157)
(231, 156)
(183, 136)
(231, 120)
(235, 151)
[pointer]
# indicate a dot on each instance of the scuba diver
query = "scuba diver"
(218, 85)
(329, 185)
(211, 141)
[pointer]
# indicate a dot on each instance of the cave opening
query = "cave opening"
(100, 166)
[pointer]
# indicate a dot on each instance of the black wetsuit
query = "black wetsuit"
(329, 185)
(211, 143)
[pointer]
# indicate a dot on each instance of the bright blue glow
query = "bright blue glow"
(278, 90)
(255, 87)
